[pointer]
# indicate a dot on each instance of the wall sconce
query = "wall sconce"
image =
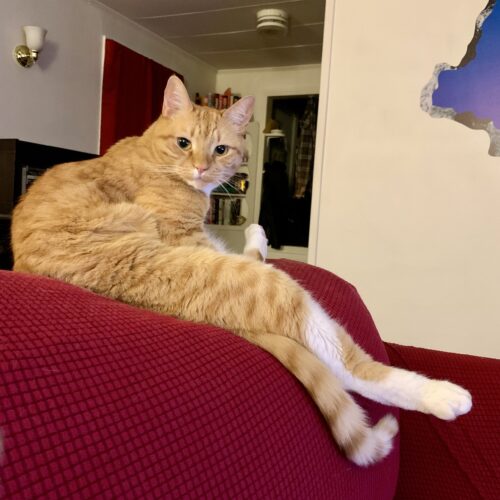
(26, 55)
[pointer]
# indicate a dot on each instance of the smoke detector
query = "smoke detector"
(272, 21)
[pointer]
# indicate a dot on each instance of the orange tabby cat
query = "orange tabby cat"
(130, 225)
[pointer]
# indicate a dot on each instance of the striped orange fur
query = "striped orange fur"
(130, 226)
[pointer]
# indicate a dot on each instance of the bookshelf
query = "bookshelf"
(218, 101)
(232, 209)
(231, 213)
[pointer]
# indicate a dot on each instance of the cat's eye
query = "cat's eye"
(220, 149)
(183, 143)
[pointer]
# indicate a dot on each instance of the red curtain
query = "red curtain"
(132, 93)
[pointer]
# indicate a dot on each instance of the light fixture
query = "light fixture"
(26, 55)
(272, 21)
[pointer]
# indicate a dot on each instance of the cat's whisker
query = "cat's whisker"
(159, 167)
(222, 185)
(165, 169)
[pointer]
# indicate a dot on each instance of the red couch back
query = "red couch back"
(102, 399)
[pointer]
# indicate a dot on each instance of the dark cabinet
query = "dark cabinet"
(21, 162)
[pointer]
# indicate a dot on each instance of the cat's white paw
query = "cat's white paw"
(255, 239)
(445, 400)
(255, 232)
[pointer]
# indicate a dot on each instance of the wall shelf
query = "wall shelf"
(233, 235)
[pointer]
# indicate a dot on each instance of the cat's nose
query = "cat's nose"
(201, 168)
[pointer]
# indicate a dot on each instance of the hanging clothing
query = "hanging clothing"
(274, 205)
(304, 162)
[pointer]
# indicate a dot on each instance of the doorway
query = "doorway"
(289, 145)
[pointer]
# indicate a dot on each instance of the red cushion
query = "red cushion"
(459, 459)
(103, 399)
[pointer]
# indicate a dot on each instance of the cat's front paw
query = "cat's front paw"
(255, 232)
(255, 239)
(445, 400)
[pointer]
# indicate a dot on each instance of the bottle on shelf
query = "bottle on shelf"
(216, 100)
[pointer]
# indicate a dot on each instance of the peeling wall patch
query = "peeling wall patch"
(470, 92)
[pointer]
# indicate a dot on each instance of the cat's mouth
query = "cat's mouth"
(202, 183)
(205, 187)
(197, 175)
(207, 180)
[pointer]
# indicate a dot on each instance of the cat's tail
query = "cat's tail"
(361, 443)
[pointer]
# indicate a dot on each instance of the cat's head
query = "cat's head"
(200, 145)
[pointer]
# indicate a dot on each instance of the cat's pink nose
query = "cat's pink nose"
(201, 168)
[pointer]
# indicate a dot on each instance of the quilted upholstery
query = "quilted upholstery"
(100, 399)
(455, 460)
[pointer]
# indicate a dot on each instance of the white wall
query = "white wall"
(57, 102)
(408, 206)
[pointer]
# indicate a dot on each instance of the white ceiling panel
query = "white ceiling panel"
(250, 39)
(145, 8)
(223, 32)
(270, 57)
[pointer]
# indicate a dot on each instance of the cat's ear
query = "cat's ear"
(175, 98)
(240, 113)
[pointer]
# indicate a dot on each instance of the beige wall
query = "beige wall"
(57, 102)
(407, 206)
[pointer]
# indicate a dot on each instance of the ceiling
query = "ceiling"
(223, 32)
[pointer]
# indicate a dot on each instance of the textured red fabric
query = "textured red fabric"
(132, 93)
(342, 300)
(100, 399)
(451, 460)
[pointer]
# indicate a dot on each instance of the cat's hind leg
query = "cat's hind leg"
(360, 373)
(348, 424)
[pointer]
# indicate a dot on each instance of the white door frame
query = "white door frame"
(324, 105)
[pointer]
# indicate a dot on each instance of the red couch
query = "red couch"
(100, 399)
